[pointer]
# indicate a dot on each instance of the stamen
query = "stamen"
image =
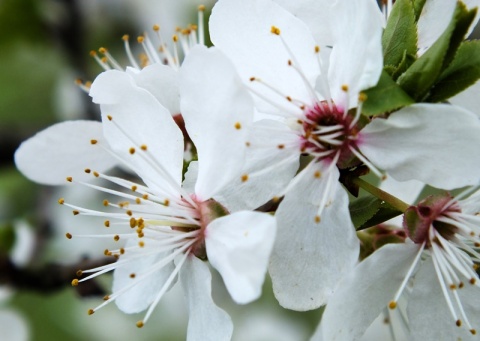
(128, 50)
(407, 277)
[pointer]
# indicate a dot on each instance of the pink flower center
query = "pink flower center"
(330, 134)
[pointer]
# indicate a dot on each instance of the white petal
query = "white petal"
(239, 246)
(309, 258)
(430, 27)
(468, 99)
(269, 168)
(62, 150)
(316, 14)
(207, 322)
(434, 143)
(139, 119)
(218, 111)
(361, 296)
(427, 310)
(142, 294)
(242, 29)
(162, 82)
(14, 327)
(357, 58)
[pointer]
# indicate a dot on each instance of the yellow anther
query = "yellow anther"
(275, 30)
(107, 223)
(68, 235)
(102, 50)
(104, 59)
(201, 8)
(141, 243)
(106, 298)
(317, 49)
(140, 324)
(69, 179)
(247, 144)
(143, 147)
(133, 222)
(145, 197)
(125, 37)
(75, 212)
(109, 117)
(289, 98)
(458, 323)
(129, 213)
(93, 53)
(473, 331)
(244, 177)
(116, 238)
(166, 202)
(156, 28)
(61, 201)
(345, 87)
(392, 305)
(138, 201)
(473, 281)
(134, 188)
(275, 200)
(252, 79)
(140, 235)
(74, 282)
(317, 219)
(141, 39)
(175, 38)
(132, 275)
(453, 287)
(317, 174)
(238, 125)
(281, 146)
(131, 150)
(79, 273)
(106, 252)
(87, 170)
(122, 251)
(90, 311)
(78, 81)
(362, 97)
(105, 202)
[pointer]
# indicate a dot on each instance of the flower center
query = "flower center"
(208, 211)
(419, 219)
(330, 133)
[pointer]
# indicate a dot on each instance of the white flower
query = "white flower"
(443, 301)
(312, 87)
(174, 224)
(279, 59)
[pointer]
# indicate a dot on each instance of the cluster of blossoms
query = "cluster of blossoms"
(243, 155)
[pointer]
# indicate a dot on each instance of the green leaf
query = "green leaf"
(400, 35)
(385, 212)
(370, 211)
(406, 62)
(363, 209)
(386, 96)
(463, 72)
(425, 71)
(418, 7)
